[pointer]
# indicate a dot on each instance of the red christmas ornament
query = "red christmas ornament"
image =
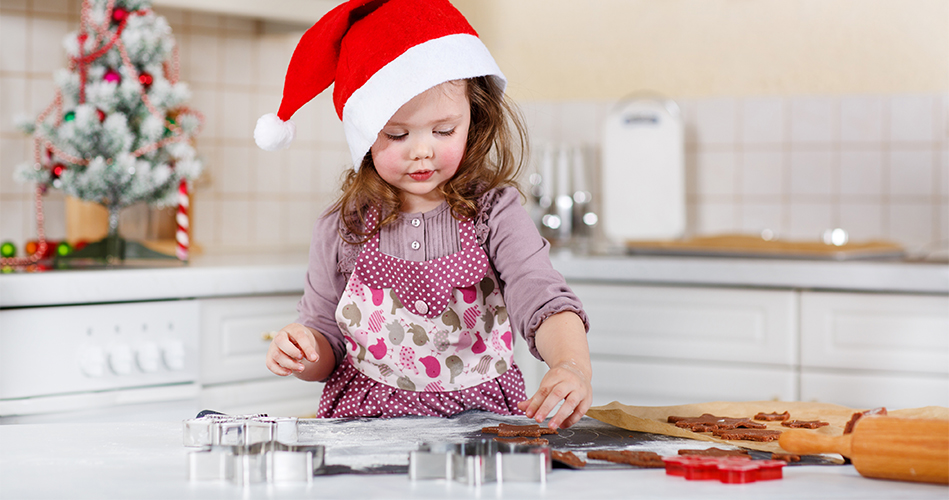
(112, 76)
(57, 170)
(119, 14)
(50, 248)
(100, 114)
(146, 80)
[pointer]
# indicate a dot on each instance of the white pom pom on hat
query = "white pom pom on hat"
(380, 54)
(272, 133)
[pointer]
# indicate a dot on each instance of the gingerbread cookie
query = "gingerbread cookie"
(787, 457)
(646, 459)
(567, 457)
(708, 423)
(771, 417)
(508, 430)
(523, 440)
(762, 435)
(857, 416)
(716, 452)
(804, 424)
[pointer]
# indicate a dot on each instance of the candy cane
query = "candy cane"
(181, 236)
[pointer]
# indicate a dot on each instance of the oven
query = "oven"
(100, 362)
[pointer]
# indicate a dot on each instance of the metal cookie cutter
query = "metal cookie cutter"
(227, 430)
(248, 449)
(480, 461)
(271, 462)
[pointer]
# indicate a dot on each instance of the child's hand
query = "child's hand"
(292, 344)
(564, 382)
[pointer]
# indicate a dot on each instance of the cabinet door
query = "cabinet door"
(876, 332)
(233, 346)
(706, 324)
(872, 390)
(654, 383)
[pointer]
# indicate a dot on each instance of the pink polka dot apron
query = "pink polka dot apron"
(432, 326)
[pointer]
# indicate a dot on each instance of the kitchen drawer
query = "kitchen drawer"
(881, 332)
(232, 346)
(652, 383)
(872, 390)
(692, 323)
(275, 396)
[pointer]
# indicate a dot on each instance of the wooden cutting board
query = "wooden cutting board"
(740, 245)
(654, 418)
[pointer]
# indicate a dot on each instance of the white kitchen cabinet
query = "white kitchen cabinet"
(872, 390)
(653, 345)
(234, 377)
(871, 350)
(644, 382)
(657, 345)
(877, 332)
(726, 325)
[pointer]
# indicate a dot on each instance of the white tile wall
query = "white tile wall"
(876, 165)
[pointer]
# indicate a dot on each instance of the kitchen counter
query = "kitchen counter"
(236, 275)
(858, 275)
(147, 460)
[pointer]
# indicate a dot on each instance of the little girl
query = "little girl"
(426, 265)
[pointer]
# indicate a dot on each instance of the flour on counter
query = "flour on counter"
(372, 445)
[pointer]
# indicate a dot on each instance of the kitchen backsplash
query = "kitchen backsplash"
(875, 165)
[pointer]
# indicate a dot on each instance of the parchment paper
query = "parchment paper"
(654, 418)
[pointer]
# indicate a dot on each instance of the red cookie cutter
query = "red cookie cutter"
(729, 470)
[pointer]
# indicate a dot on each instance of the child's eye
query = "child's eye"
(445, 133)
(396, 137)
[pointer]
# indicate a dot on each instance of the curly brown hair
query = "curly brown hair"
(494, 155)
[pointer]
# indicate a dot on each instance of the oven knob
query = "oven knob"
(148, 357)
(92, 362)
(174, 355)
(120, 359)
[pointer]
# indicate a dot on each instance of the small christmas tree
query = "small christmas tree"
(117, 132)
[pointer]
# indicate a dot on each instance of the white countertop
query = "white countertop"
(858, 275)
(144, 460)
(233, 275)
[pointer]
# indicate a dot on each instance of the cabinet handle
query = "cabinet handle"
(268, 336)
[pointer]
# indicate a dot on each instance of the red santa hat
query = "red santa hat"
(380, 54)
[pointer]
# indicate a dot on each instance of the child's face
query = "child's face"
(423, 143)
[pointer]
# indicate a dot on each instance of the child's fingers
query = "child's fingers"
(279, 363)
(572, 410)
(304, 342)
(544, 402)
(297, 343)
(531, 405)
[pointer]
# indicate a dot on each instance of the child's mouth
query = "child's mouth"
(422, 176)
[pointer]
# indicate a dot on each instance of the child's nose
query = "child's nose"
(421, 149)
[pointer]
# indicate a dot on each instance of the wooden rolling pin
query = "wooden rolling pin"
(905, 449)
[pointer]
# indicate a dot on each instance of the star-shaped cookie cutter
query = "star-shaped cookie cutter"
(248, 449)
(480, 461)
(235, 430)
(271, 462)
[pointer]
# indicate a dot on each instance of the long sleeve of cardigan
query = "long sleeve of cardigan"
(533, 289)
(324, 284)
